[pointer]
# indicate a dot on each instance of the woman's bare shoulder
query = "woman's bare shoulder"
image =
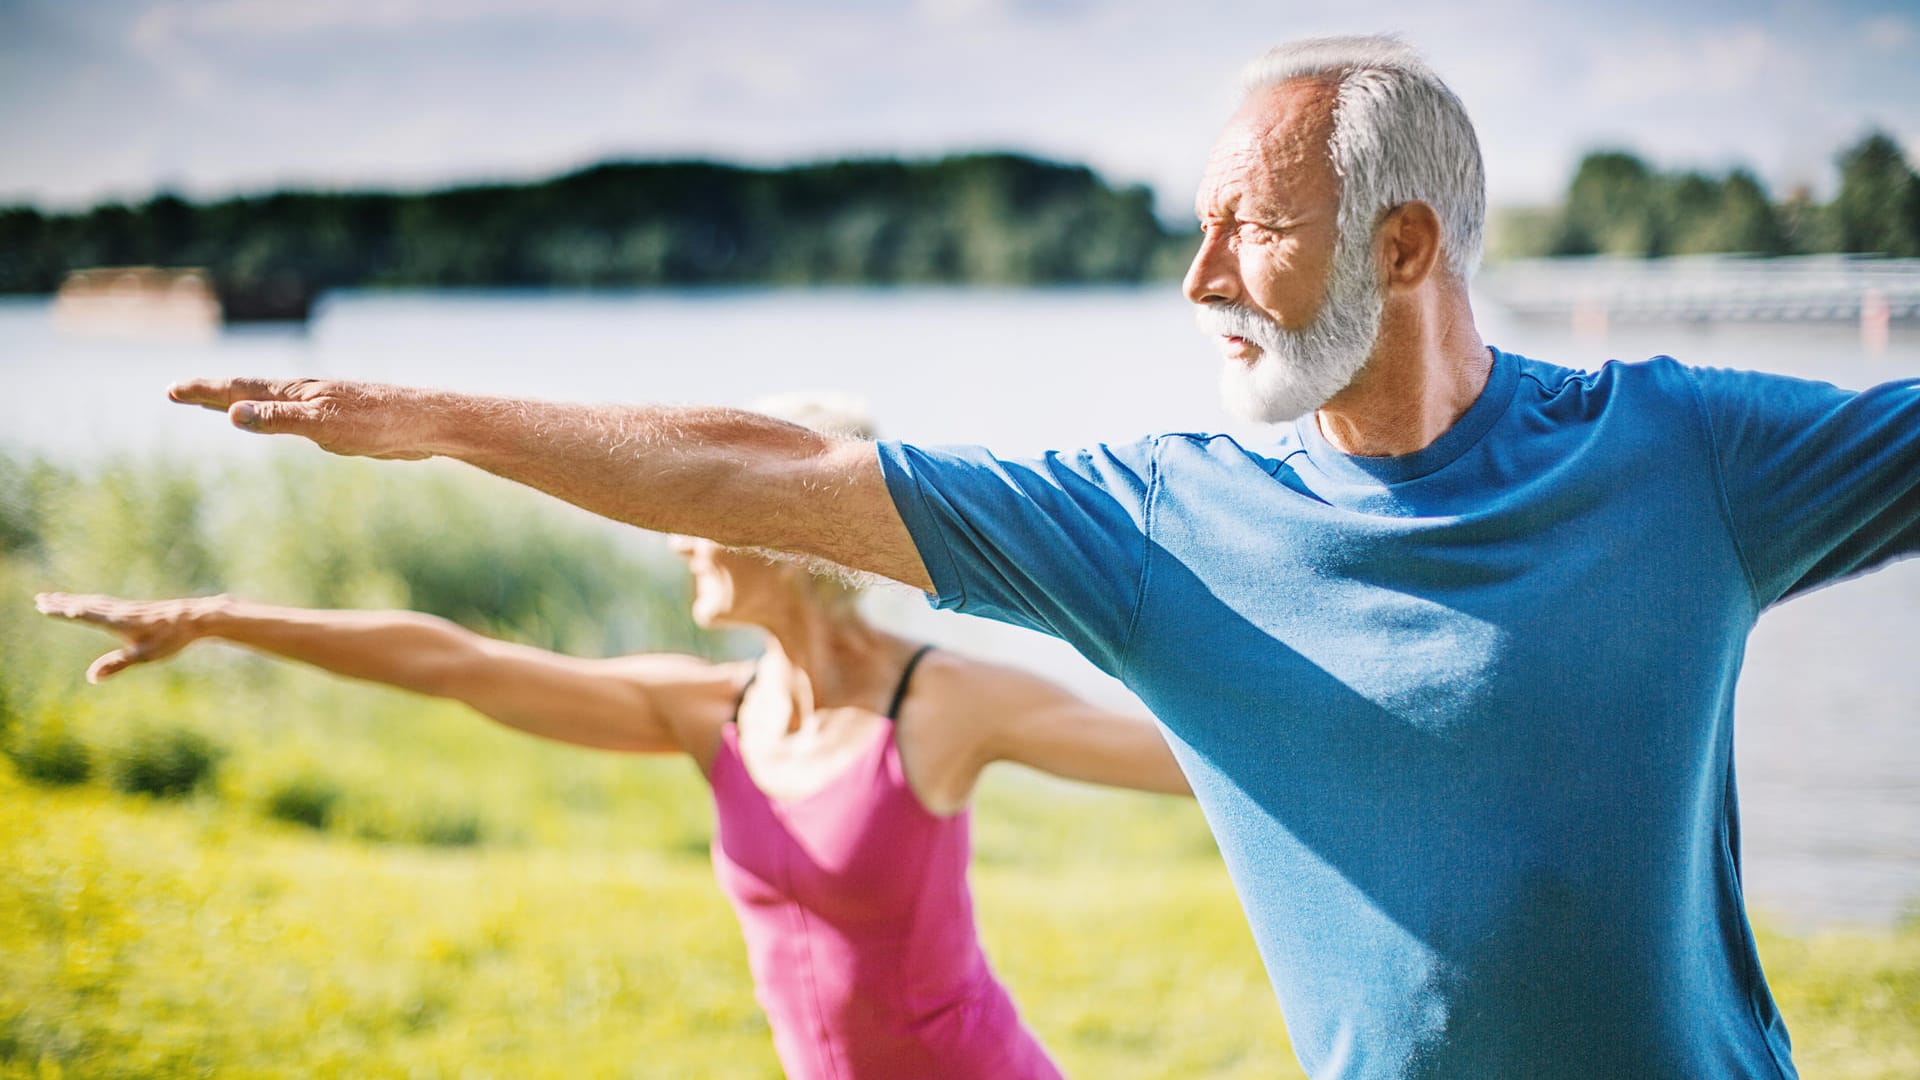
(965, 683)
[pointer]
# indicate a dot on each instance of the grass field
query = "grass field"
(230, 868)
(145, 936)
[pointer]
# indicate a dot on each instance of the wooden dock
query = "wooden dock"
(174, 301)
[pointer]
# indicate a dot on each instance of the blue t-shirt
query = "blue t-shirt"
(1461, 720)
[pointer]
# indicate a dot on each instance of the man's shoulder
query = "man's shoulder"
(1656, 376)
(1554, 376)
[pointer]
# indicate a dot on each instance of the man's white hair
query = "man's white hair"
(1399, 136)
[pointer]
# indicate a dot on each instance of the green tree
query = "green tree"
(1611, 208)
(1707, 215)
(167, 224)
(985, 218)
(1878, 207)
(29, 255)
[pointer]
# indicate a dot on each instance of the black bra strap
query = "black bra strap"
(742, 699)
(893, 707)
(900, 692)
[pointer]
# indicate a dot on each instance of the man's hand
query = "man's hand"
(152, 630)
(348, 418)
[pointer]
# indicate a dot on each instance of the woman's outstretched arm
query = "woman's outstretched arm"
(1040, 725)
(635, 703)
(985, 712)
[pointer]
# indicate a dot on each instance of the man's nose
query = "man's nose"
(1214, 276)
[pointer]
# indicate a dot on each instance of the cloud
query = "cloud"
(245, 94)
(1719, 61)
(293, 17)
(157, 38)
(1889, 33)
(941, 12)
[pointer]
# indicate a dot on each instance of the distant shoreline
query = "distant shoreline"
(992, 219)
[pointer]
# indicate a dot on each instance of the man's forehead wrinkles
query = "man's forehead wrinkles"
(1272, 129)
(1294, 118)
(1224, 178)
(1218, 201)
(1273, 160)
(1255, 186)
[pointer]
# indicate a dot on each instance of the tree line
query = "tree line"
(1618, 204)
(997, 219)
(983, 218)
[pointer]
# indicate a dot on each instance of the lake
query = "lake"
(1828, 737)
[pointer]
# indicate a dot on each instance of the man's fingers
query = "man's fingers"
(223, 393)
(275, 417)
(197, 392)
(352, 419)
(212, 392)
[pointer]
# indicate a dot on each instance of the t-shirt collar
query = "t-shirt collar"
(1453, 442)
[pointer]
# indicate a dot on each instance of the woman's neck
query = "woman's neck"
(824, 656)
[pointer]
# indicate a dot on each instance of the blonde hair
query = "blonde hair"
(840, 416)
(837, 416)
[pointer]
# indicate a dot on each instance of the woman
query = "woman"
(841, 763)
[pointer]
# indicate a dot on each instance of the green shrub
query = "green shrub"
(26, 489)
(304, 800)
(133, 528)
(166, 763)
(377, 817)
(449, 828)
(50, 754)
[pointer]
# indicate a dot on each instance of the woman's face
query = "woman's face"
(729, 586)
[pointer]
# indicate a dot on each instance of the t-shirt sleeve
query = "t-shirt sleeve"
(1057, 544)
(1820, 482)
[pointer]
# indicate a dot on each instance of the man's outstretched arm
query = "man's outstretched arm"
(735, 477)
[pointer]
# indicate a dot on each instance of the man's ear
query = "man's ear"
(1410, 245)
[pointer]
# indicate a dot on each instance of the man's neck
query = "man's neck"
(1426, 372)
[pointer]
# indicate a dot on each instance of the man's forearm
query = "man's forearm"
(708, 472)
(736, 477)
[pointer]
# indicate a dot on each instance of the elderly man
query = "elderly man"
(1450, 662)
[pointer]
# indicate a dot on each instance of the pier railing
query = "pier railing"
(1591, 292)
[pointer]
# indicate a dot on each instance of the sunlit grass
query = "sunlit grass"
(180, 941)
(142, 937)
(139, 937)
(1851, 999)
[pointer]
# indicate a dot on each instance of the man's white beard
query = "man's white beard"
(1298, 371)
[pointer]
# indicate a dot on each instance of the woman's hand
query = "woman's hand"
(153, 630)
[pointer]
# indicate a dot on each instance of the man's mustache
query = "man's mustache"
(1228, 319)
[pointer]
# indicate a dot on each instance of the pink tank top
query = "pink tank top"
(859, 926)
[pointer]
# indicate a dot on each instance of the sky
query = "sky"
(121, 98)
